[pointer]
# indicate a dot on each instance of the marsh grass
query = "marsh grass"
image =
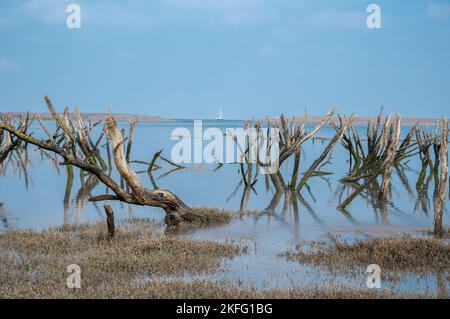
(211, 289)
(33, 264)
(214, 217)
(445, 233)
(405, 254)
(137, 263)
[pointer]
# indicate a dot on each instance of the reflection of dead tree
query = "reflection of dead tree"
(314, 169)
(152, 166)
(422, 202)
(8, 142)
(67, 193)
(292, 136)
(439, 203)
(441, 292)
(384, 151)
(234, 191)
(17, 160)
(3, 215)
(81, 151)
(400, 169)
(292, 199)
(86, 188)
(424, 142)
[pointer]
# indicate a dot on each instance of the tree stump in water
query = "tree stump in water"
(109, 221)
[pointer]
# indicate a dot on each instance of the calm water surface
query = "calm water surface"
(35, 195)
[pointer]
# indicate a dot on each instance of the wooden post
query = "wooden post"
(109, 221)
(439, 203)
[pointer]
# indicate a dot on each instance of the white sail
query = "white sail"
(220, 116)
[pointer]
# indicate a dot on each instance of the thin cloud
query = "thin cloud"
(439, 10)
(338, 19)
(147, 14)
(49, 11)
(93, 13)
(4, 22)
(231, 12)
(7, 65)
(268, 50)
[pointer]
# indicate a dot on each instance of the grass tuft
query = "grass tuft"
(405, 254)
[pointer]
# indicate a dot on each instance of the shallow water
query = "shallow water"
(35, 195)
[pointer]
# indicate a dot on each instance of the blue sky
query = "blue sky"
(185, 58)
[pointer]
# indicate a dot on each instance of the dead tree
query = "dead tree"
(384, 151)
(424, 142)
(8, 142)
(389, 162)
(313, 169)
(440, 199)
(77, 148)
(292, 135)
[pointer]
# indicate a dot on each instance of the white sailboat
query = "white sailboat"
(220, 116)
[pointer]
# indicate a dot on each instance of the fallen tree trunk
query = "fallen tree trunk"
(79, 150)
(177, 211)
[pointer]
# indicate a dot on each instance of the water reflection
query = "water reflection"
(230, 186)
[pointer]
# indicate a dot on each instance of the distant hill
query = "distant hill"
(97, 116)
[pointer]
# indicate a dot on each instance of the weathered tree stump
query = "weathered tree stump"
(439, 203)
(110, 221)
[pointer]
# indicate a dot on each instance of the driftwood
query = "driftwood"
(440, 198)
(81, 151)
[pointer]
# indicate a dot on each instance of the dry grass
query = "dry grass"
(214, 217)
(210, 289)
(445, 232)
(140, 262)
(405, 254)
(33, 264)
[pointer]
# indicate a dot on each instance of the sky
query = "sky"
(253, 58)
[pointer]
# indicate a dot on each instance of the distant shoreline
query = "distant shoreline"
(98, 117)
(158, 119)
(364, 120)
